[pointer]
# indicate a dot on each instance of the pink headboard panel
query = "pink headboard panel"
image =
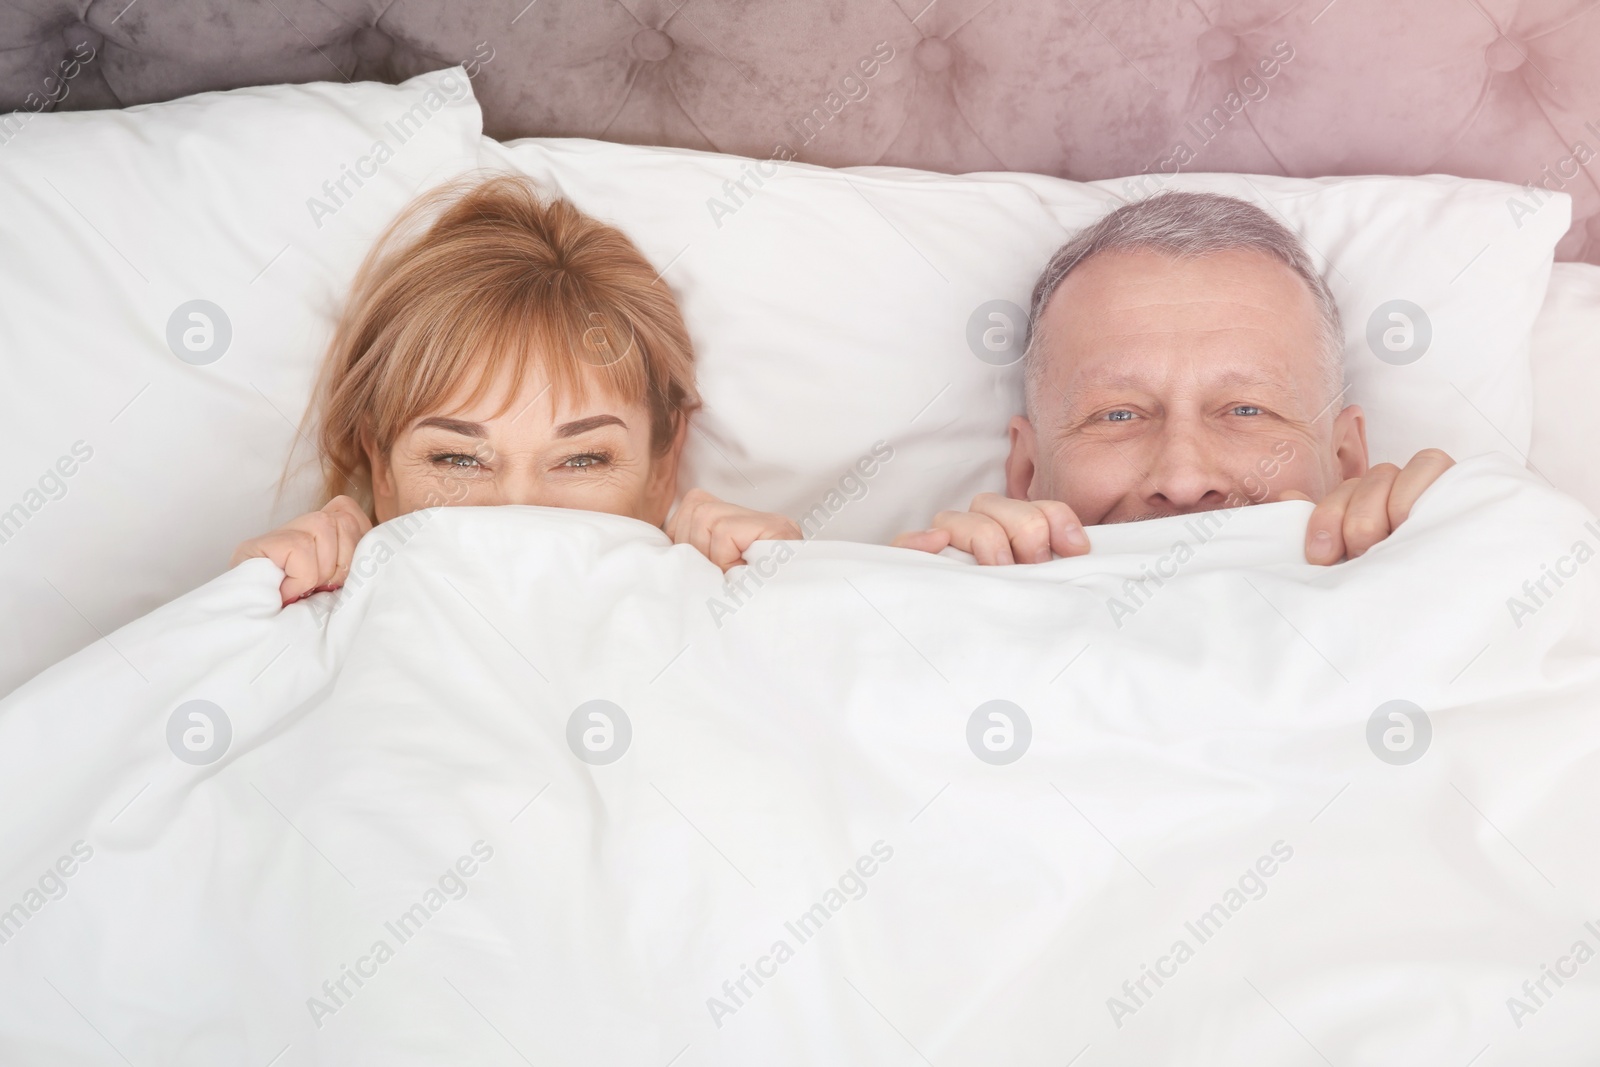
(1504, 89)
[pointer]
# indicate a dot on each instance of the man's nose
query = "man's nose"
(1187, 474)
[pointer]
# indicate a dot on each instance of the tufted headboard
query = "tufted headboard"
(1086, 89)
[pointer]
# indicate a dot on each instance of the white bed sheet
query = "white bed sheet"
(406, 746)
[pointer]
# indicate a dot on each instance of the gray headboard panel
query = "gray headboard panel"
(1484, 88)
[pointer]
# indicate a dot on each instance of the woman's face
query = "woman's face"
(594, 456)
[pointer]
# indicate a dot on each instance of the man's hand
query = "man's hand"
(1363, 511)
(1001, 530)
(722, 531)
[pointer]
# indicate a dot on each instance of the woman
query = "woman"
(498, 348)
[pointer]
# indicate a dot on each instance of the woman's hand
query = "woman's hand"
(314, 550)
(722, 531)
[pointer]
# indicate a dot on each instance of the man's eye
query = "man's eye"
(1246, 409)
(1120, 415)
(458, 460)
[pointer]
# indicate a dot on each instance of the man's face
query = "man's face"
(1172, 386)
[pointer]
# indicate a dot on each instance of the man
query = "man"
(1184, 355)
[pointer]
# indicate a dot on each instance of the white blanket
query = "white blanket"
(808, 837)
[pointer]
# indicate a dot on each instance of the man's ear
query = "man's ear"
(662, 487)
(1350, 442)
(1021, 463)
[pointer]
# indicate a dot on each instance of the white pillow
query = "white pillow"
(129, 473)
(857, 329)
(1566, 383)
(834, 309)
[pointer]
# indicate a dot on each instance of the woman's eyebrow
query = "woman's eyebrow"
(593, 422)
(465, 429)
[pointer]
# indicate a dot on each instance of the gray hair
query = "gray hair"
(1185, 225)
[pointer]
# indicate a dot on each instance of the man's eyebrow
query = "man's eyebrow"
(583, 426)
(460, 426)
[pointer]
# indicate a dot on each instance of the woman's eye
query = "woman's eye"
(588, 459)
(1246, 409)
(458, 460)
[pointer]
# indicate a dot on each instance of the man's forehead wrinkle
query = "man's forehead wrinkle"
(1070, 357)
(1116, 375)
(1148, 293)
(1122, 374)
(1109, 318)
(1186, 331)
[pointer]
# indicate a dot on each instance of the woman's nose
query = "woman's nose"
(523, 489)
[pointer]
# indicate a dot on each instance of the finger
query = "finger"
(1366, 520)
(735, 534)
(782, 528)
(978, 534)
(349, 534)
(682, 525)
(755, 526)
(297, 555)
(674, 517)
(1325, 528)
(683, 518)
(1027, 528)
(324, 530)
(670, 527)
(699, 496)
(726, 549)
(698, 528)
(250, 549)
(1293, 494)
(730, 536)
(1423, 470)
(344, 506)
(1067, 535)
(934, 541)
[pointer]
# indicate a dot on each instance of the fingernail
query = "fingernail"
(1322, 544)
(1077, 538)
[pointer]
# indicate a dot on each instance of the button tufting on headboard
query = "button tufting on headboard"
(1080, 90)
(1216, 44)
(933, 54)
(81, 38)
(652, 46)
(372, 45)
(1503, 56)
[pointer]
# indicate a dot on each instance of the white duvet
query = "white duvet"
(796, 829)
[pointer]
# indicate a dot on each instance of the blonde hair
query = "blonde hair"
(484, 275)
